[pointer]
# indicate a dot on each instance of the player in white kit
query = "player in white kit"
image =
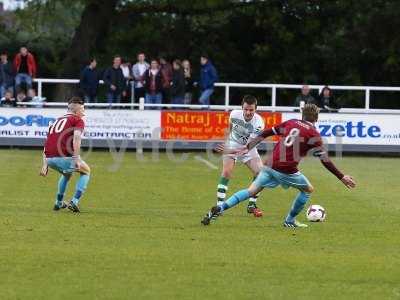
(243, 124)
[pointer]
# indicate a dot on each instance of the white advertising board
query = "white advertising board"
(115, 124)
(356, 129)
(99, 124)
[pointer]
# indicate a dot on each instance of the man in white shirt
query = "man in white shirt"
(244, 123)
(138, 70)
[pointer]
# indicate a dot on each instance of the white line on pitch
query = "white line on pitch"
(206, 162)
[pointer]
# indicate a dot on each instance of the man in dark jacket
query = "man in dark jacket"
(166, 75)
(208, 77)
(178, 83)
(115, 81)
(6, 75)
(89, 81)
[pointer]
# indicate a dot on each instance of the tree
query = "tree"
(321, 42)
(96, 19)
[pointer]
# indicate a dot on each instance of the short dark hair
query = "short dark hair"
(310, 112)
(249, 99)
(92, 59)
(76, 100)
(178, 62)
(4, 53)
(204, 55)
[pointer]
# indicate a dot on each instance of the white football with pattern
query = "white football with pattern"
(316, 213)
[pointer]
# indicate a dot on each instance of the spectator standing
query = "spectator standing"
(138, 71)
(178, 83)
(8, 100)
(326, 99)
(153, 84)
(25, 68)
(115, 81)
(127, 72)
(189, 82)
(89, 81)
(304, 97)
(6, 75)
(166, 73)
(208, 77)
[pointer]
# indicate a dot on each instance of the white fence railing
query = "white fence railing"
(227, 86)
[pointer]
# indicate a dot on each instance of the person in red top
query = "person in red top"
(153, 84)
(62, 153)
(25, 68)
(298, 137)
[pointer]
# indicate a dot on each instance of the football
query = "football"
(316, 213)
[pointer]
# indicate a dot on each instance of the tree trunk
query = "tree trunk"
(95, 22)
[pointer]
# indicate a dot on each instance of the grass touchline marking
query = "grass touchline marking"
(206, 162)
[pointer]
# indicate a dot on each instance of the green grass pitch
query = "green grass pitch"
(139, 234)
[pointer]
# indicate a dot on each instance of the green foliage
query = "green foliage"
(47, 28)
(325, 41)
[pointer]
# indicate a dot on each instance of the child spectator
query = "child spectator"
(21, 96)
(8, 100)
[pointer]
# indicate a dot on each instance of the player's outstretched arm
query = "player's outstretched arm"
(253, 142)
(221, 148)
(347, 180)
(262, 136)
(45, 168)
(224, 149)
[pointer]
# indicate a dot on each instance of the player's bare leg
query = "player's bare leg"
(298, 204)
(83, 168)
(84, 171)
(228, 164)
(62, 186)
(255, 166)
(235, 199)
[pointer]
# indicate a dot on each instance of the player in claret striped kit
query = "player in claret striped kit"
(298, 137)
(62, 153)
